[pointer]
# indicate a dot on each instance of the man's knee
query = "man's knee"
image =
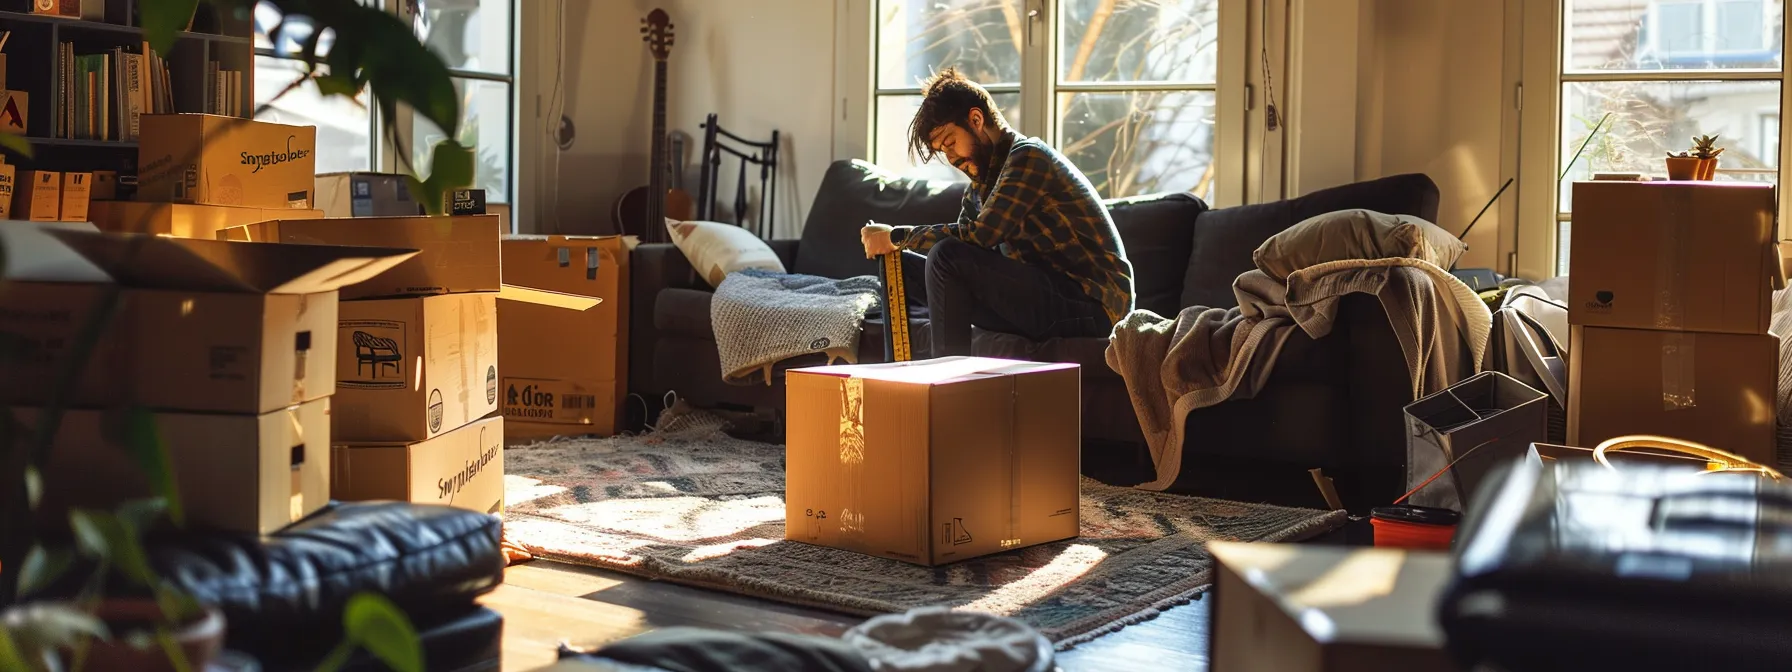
(950, 258)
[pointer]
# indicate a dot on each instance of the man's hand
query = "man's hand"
(876, 238)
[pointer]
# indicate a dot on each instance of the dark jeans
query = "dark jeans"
(964, 285)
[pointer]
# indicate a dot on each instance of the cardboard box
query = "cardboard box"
(459, 254)
(410, 369)
(1673, 255)
(15, 110)
(105, 186)
(252, 474)
(8, 186)
(200, 325)
(181, 220)
(464, 468)
(211, 160)
(1313, 608)
(581, 353)
(365, 195)
(550, 372)
(77, 189)
(934, 461)
(1715, 389)
(37, 196)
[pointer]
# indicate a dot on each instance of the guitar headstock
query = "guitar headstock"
(656, 31)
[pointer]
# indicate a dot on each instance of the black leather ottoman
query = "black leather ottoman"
(283, 595)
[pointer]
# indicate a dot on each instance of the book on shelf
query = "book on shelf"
(103, 95)
(223, 90)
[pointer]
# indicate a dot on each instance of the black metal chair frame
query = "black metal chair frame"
(761, 154)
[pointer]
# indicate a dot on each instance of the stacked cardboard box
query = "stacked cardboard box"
(417, 374)
(222, 351)
(565, 367)
(1670, 284)
(198, 174)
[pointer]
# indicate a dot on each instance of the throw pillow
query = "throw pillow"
(1356, 234)
(716, 249)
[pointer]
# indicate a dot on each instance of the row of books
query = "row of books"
(101, 96)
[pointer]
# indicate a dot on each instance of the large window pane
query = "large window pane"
(1651, 119)
(1672, 34)
(1162, 41)
(484, 126)
(893, 116)
(1141, 142)
(344, 128)
(470, 35)
(979, 37)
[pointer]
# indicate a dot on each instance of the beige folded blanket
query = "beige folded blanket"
(1208, 355)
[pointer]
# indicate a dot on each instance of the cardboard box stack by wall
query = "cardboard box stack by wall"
(1669, 311)
(934, 461)
(565, 368)
(182, 220)
(219, 342)
(419, 357)
(365, 195)
(213, 160)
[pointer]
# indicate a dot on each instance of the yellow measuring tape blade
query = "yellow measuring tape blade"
(896, 308)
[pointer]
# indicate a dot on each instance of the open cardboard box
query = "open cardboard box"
(457, 254)
(579, 355)
(199, 325)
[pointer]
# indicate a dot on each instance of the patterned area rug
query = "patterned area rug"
(698, 507)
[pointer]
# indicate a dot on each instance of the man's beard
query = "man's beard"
(978, 160)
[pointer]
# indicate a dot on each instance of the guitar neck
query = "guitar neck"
(655, 226)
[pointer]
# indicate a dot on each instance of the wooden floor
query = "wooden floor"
(546, 603)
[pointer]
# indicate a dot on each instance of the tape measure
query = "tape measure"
(897, 347)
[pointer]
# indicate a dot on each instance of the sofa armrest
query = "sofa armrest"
(786, 251)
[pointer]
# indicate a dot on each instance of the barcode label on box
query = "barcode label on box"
(542, 400)
(578, 402)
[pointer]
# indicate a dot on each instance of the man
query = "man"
(1033, 252)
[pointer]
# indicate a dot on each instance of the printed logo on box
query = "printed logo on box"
(545, 400)
(491, 384)
(435, 410)
(378, 352)
(1602, 301)
(276, 157)
(449, 486)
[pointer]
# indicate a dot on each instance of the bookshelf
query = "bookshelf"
(35, 54)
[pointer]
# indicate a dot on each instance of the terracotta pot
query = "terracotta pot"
(200, 640)
(1707, 169)
(1682, 168)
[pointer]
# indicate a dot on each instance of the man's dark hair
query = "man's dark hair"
(948, 98)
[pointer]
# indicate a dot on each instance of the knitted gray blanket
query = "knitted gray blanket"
(762, 318)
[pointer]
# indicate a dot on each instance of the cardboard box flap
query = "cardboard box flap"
(30, 254)
(938, 371)
(156, 262)
(542, 297)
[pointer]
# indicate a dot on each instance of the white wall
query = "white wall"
(760, 64)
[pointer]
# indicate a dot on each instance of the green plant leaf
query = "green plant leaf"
(144, 443)
(42, 567)
(47, 626)
(375, 623)
(106, 537)
(177, 607)
(176, 657)
(34, 480)
(162, 19)
(10, 656)
(139, 515)
(16, 143)
(451, 166)
(88, 537)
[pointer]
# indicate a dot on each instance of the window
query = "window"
(1130, 98)
(1658, 73)
(474, 39)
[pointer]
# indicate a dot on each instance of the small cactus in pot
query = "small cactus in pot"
(1705, 149)
(1683, 166)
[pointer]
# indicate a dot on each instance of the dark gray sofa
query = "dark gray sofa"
(1333, 403)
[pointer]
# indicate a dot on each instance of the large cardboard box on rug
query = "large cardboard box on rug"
(463, 468)
(182, 220)
(579, 356)
(252, 474)
(1313, 608)
(935, 461)
(200, 325)
(458, 254)
(410, 369)
(1714, 389)
(1682, 256)
(213, 160)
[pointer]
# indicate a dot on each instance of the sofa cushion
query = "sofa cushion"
(1355, 234)
(853, 192)
(716, 249)
(1225, 238)
(1157, 231)
(683, 312)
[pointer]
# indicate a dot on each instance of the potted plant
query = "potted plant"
(1705, 149)
(1683, 167)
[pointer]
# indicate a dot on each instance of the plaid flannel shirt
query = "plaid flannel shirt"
(1038, 209)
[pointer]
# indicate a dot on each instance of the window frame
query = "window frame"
(384, 155)
(1538, 141)
(1040, 85)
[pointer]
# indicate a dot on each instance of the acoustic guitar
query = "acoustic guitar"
(642, 211)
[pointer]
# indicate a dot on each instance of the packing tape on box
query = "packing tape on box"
(301, 350)
(1671, 260)
(1679, 353)
(1011, 450)
(852, 458)
(296, 482)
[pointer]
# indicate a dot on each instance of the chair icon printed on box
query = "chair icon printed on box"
(376, 353)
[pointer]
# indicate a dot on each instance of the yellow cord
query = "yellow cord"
(1716, 460)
